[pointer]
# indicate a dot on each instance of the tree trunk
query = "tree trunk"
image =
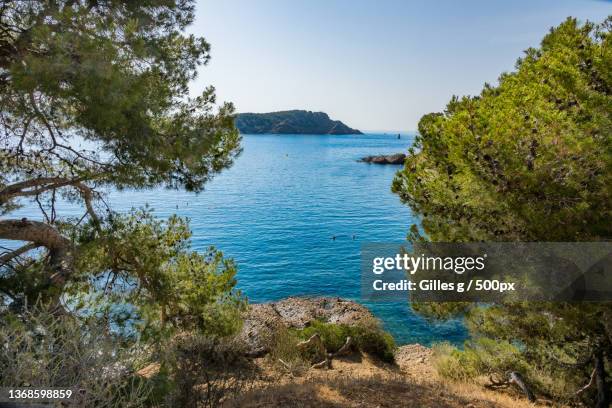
(603, 393)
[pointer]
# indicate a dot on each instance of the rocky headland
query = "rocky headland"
(292, 122)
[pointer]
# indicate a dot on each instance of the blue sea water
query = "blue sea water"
(277, 208)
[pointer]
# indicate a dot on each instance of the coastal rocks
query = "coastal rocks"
(299, 312)
(262, 320)
(412, 354)
(416, 361)
(397, 158)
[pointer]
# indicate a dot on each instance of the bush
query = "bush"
(455, 364)
(479, 357)
(205, 371)
(42, 348)
(285, 355)
(376, 342)
(485, 357)
(369, 338)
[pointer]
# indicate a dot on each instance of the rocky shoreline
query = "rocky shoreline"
(260, 320)
(356, 380)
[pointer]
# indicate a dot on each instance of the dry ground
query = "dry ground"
(359, 381)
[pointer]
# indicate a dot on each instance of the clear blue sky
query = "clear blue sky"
(376, 65)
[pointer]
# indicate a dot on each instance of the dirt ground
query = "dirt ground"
(359, 381)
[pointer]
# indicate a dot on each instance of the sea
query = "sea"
(293, 212)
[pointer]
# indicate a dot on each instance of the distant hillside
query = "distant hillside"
(292, 122)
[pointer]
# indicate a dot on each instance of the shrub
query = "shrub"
(485, 357)
(284, 353)
(451, 363)
(375, 341)
(332, 335)
(42, 348)
(205, 371)
(367, 337)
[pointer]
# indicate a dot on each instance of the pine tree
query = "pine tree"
(94, 97)
(527, 160)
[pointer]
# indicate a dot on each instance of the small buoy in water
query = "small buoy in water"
(333, 238)
(354, 236)
(398, 136)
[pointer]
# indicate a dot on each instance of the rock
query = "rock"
(264, 319)
(298, 312)
(397, 158)
(412, 354)
(149, 371)
(260, 321)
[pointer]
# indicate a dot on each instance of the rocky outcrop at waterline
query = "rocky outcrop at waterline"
(261, 320)
(397, 158)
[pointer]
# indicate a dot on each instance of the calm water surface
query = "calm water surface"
(276, 210)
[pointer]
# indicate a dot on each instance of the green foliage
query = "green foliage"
(454, 364)
(95, 95)
(494, 358)
(527, 160)
(369, 338)
(483, 357)
(140, 271)
(332, 335)
(115, 75)
(530, 159)
(373, 340)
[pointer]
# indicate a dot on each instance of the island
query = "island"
(292, 122)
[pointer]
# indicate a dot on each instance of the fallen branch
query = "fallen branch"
(604, 400)
(316, 342)
(327, 363)
(514, 378)
(517, 379)
(346, 348)
(497, 383)
(590, 384)
(287, 366)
